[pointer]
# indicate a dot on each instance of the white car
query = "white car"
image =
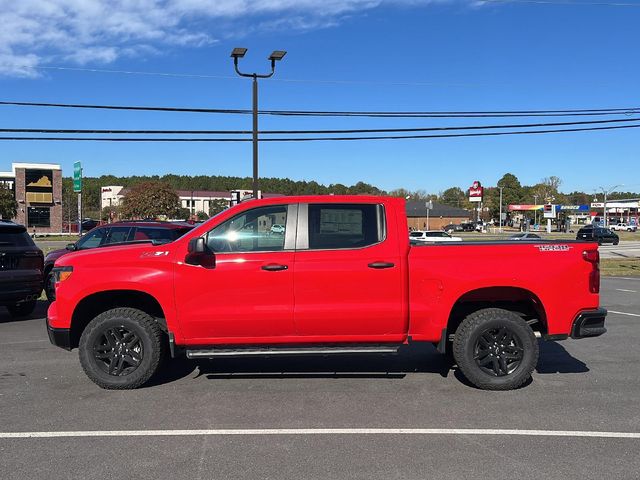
(623, 227)
(277, 228)
(432, 236)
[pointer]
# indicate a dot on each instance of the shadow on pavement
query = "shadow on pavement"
(39, 312)
(554, 358)
(417, 358)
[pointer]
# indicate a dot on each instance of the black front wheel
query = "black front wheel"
(495, 349)
(50, 286)
(22, 309)
(121, 348)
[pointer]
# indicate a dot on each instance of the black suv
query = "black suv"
(21, 264)
(601, 235)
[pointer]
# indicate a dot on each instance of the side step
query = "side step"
(292, 350)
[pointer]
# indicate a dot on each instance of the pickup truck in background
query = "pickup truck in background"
(341, 279)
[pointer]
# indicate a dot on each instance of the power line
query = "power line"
(388, 114)
(313, 139)
(306, 132)
(563, 2)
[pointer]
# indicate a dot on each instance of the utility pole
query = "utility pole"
(500, 209)
(535, 211)
(606, 192)
(277, 55)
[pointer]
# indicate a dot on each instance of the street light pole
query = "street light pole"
(277, 55)
(606, 192)
(500, 219)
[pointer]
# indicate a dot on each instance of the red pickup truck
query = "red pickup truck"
(340, 278)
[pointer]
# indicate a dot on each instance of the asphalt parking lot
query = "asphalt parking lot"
(588, 386)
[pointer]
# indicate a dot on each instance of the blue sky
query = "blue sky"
(342, 55)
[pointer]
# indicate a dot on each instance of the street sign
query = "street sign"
(77, 177)
(429, 205)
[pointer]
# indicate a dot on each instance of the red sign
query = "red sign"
(475, 192)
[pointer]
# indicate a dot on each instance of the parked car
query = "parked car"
(21, 266)
(345, 280)
(88, 224)
(525, 236)
(278, 229)
(452, 227)
(119, 232)
(432, 236)
(597, 234)
(624, 227)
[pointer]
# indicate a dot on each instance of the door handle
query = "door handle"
(274, 267)
(380, 265)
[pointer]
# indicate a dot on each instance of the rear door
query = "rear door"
(348, 283)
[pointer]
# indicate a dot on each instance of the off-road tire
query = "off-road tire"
(151, 339)
(488, 320)
(22, 309)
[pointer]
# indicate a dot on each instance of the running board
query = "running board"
(291, 350)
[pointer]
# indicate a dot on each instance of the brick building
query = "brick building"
(38, 191)
(439, 216)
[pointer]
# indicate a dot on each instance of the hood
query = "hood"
(54, 255)
(112, 254)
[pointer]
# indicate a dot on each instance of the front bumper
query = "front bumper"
(60, 337)
(589, 323)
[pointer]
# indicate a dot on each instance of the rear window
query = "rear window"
(15, 236)
(415, 234)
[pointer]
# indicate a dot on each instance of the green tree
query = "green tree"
(8, 204)
(150, 199)
(217, 206)
(453, 196)
(202, 216)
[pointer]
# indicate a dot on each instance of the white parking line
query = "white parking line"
(625, 313)
(320, 431)
(625, 290)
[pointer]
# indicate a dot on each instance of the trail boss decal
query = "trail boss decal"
(554, 248)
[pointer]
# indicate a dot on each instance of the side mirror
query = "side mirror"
(197, 246)
(200, 254)
(71, 247)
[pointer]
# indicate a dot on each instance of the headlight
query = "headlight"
(62, 273)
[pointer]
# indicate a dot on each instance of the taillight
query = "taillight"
(593, 257)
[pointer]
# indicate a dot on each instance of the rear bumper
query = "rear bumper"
(589, 323)
(16, 286)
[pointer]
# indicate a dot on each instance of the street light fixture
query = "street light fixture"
(275, 56)
(607, 192)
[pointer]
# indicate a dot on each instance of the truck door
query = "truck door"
(247, 296)
(348, 280)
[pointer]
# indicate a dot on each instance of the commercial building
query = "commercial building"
(37, 188)
(439, 216)
(194, 200)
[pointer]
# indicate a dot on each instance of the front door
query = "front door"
(247, 297)
(349, 278)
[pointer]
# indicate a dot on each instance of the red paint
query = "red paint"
(332, 295)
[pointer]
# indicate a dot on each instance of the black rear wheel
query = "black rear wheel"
(495, 349)
(121, 348)
(22, 309)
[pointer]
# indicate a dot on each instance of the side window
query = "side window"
(93, 239)
(158, 234)
(333, 226)
(258, 230)
(119, 234)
